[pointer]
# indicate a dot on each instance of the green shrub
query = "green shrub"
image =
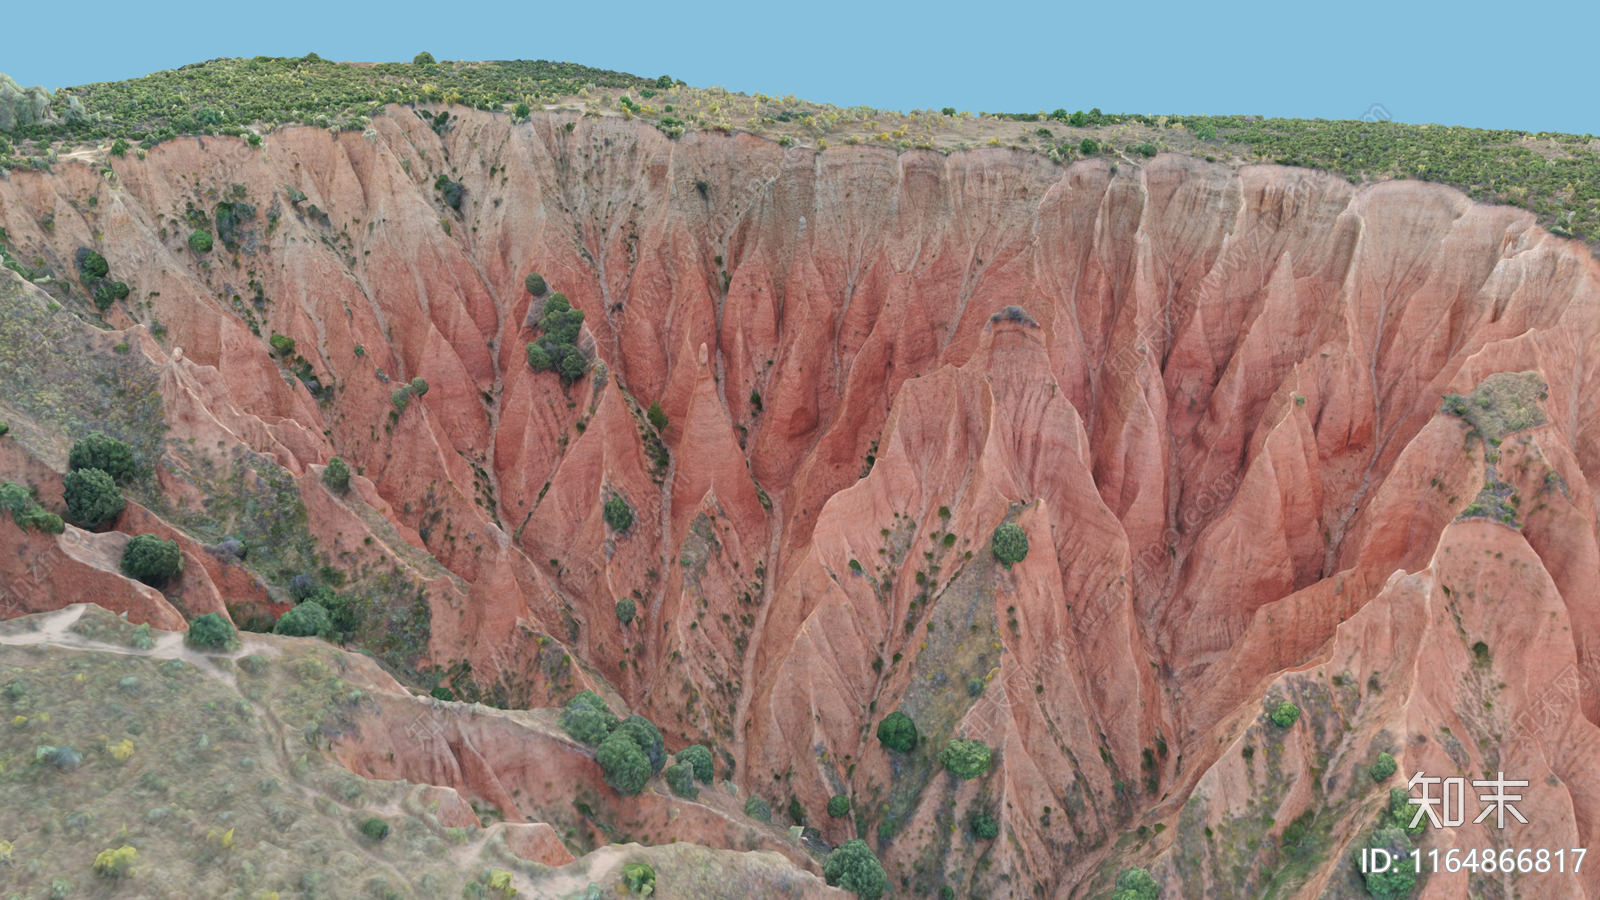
(1089, 146)
(212, 632)
(974, 686)
(200, 241)
(401, 398)
(965, 759)
(97, 451)
(151, 559)
(418, 386)
(1146, 150)
(451, 191)
(699, 757)
(658, 419)
(92, 497)
(618, 514)
(1383, 767)
(375, 828)
(115, 863)
(109, 292)
(92, 264)
(1009, 543)
(309, 619)
(522, 111)
(533, 281)
(587, 718)
(28, 514)
(625, 610)
(680, 778)
(838, 806)
(645, 733)
(119, 147)
(898, 732)
(1401, 811)
(283, 345)
(627, 769)
(557, 346)
(1135, 884)
(1206, 132)
(639, 878)
(539, 358)
(758, 809)
(948, 111)
(984, 826)
(423, 59)
(336, 475)
(854, 868)
(1398, 881)
(1285, 714)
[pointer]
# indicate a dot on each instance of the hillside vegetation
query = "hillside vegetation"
(1556, 176)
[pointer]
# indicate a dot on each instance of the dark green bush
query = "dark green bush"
(1009, 543)
(626, 609)
(758, 809)
(984, 826)
(375, 828)
(587, 718)
(534, 282)
(658, 419)
(97, 451)
(618, 514)
(898, 732)
(1398, 881)
(282, 345)
(699, 757)
(26, 512)
(151, 560)
(539, 358)
(627, 769)
(1383, 767)
(948, 111)
(1089, 146)
(680, 778)
(309, 619)
(336, 475)
(451, 191)
(1285, 714)
(109, 292)
(838, 806)
(92, 264)
(965, 759)
(854, 868)
(557, 346)
(645, 733)
(92, 497)
(401, 398)
(521, 111)
(423, 59)
(418, 386)
(200, 241)
(1146, 149)
(1135, 884)
(212, 632)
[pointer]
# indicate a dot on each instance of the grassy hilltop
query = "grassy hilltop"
(1556, 176)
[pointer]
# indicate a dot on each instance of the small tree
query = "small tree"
(658, 419)
(618, 514)
(1089, 146)
(1009, 543)
(200, 241)
(212, 632)
(422, 59)
(1285, 714)
(898, 732)
(680, 778)
(309, 619)
(375, 828)
(587, 718)
(92, 497)
(838, 806)
(627, 769)
(625, 610)
(92, 264)
(401, 398)
(281, 344)
(336, 475)
(965, 759)
(758, 809)
(854, 868)
(418, 386)
(521, 111)
(97, 451)
(645, 733)
(699, 757)
(1383, 767)
(1135, 884)
(984, 826)
(151, 559)
(539, 359)
(533, 281)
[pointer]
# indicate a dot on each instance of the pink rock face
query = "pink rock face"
(1209, 396)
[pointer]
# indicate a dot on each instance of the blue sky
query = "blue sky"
(1462, 63)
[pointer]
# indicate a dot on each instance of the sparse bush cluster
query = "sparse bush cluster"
(556, 348)
(95, 272)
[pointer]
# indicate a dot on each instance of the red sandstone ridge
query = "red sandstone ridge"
(1210, 397)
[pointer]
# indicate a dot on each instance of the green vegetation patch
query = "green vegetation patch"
(1502, 403)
